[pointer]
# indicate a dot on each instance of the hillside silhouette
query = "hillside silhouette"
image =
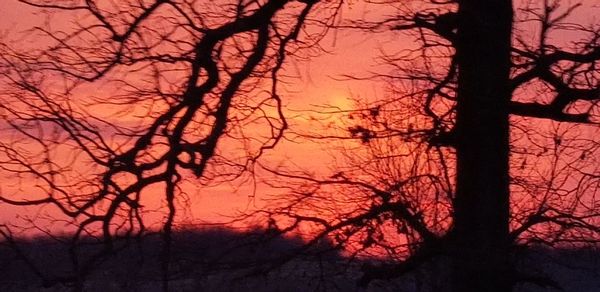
(219, 259)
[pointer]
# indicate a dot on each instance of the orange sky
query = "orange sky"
(314, 85)
(350, 53)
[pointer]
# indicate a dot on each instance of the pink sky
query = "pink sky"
(350, 53)
(314, 85)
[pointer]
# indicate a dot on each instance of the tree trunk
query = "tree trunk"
(481, 247)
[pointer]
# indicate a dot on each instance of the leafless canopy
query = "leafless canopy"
(108, 107)
(393, 192)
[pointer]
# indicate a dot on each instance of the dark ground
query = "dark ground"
(224, 260)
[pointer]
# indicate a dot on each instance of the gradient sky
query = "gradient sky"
(352, 53)
(314, 84)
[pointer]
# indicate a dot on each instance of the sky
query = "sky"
(316, 82)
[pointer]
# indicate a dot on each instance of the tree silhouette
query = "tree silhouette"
(470, 159)
(126, 100)
(484, 147)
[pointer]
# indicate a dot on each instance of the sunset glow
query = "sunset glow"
(419, 137)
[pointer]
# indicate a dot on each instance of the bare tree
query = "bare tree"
(143, 95)
(485, 145)
(105, 115)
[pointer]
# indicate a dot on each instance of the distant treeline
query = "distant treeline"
(219, 259)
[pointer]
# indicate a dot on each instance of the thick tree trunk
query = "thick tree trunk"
(480, 250)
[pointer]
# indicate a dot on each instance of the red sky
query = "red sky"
(351, 53)
(314, 85)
